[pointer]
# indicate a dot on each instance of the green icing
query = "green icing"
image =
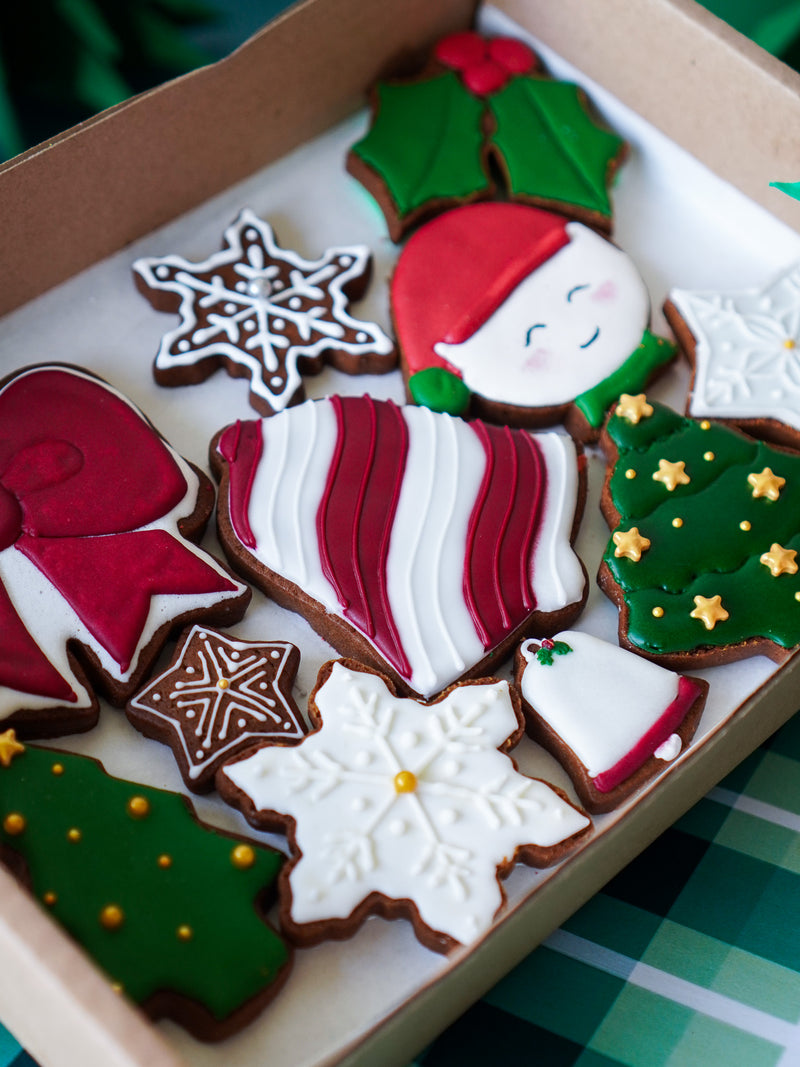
(232, 954)
(707, 553)
(551, 148)
(637, 370)
(439, 390)
(426, 142)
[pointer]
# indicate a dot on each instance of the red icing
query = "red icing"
(457, 270)
(512, 54)
(355, 516)
(667, 724)
(500, 538)
(485, 66)
(241, 445)
(485, 77)
(22, 665)
(460, 50)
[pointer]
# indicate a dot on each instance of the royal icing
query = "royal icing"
(712, 503)
(433, 537)
(411, 801)
(218, 695)
(266, 310)
(91, 551)
(747, 350)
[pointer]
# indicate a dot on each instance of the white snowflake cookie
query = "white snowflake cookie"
(263, 312)
(745, 349)
(400, 808)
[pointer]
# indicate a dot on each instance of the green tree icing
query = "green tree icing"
(706, 537)
(187, 920)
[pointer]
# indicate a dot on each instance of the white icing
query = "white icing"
(670, 749)
(744, 368)
(558, 577)
(52, 622)
(508, 360)
(438, 846)
(263, 307)
(599, 698)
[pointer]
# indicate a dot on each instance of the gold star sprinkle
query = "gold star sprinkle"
(633, 408)
(780, 560)
(709, 610)
(630, 544)
(766, 484)
(671, 474)
(9, 747)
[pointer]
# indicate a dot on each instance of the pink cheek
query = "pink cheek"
(606, 292)
(537, 359)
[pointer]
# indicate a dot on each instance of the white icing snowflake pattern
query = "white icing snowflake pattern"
(265, 309)
(408, 800)
(747, 354)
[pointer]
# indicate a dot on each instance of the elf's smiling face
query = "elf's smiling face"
(568, 325)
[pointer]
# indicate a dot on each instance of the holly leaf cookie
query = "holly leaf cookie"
(434, 139)
(399, 808)
(422, 544)
(171, 909)
(218, 695)
(264, 313)
(705, 533)
(97, 565)
(744, 347)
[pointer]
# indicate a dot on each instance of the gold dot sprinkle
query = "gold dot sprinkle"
(790, 343)
(677, 522)
(705, 425)
(405, 782)
(165, 861)
(797, 595)
(74, 835)
(709, 457)
(15, 824)
(57, 769)
(138, 807)
(745, 525)
(243, 857)
(118, 988)
(658, 613)
(112, 917)
(630, 474)
(50, 898)
(223, 683)
(184, 933)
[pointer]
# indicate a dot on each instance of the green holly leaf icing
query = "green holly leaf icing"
(551, 149)
(439, 390)
(426, 142)
(189, 922)
(706, 537)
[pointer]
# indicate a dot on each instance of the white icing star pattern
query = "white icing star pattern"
(408, 800)
(265, 309)
(747, 354)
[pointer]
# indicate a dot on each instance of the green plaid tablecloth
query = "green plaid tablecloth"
(690, 956)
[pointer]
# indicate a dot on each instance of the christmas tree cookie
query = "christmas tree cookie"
(612, 718)
(171, 909)
(435, 140)
(744, 347)
(400, 808)
(705, 533)
(263, 313)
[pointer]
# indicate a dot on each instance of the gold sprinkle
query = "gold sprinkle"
(138, 807)
(184, 933)
(630, 474)
(677, 522)
(405, 782)
(118, 987)
(709, 611)
(797, 596)
(657, 613)
(112, 917)
(14, 824)
(630, 544)
(9, 747)
(780, 560)
(165, 861)
(57, 769)
(790, 343)
(705, 425)
(50, 898)
(633, 408)
(765, 483)
(671, 474)
(243, 857)
(223, 683)
(709, 457)
(744, 525)
(74, 834)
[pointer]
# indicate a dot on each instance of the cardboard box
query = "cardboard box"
(95, 189)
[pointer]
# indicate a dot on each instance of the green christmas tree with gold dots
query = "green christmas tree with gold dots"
(705, 533)
(168, 907)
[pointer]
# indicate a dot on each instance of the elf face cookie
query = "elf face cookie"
(218, 695)
(705, 530)
(613, 719)
(481, 108)
(745, 350)
(417, 542)
(95, 565)
(264, 313)
(398, 808)
(521, 317)
(170, 908)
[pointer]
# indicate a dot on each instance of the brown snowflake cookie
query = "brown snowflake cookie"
(218, 695)
(263, 312)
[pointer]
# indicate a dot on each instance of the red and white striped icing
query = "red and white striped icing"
(433, 537)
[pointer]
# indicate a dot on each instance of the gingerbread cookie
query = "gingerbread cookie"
(482, 107)
(398, 808)
(96, 565)
(419, 543)
(518, 316)
(264, 313)
(706, 528)
(613, 719)
(171, 909)
(218, 695)
(744, 347)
